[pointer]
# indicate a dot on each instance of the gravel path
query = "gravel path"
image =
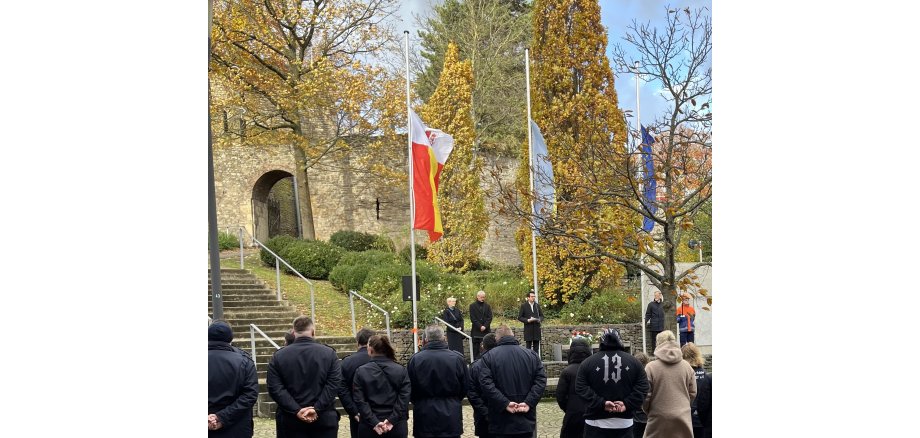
(549, 421)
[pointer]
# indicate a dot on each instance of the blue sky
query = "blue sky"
(616, 15)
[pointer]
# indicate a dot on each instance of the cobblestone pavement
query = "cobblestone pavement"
(549, 422)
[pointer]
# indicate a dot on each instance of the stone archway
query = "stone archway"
(271, 214)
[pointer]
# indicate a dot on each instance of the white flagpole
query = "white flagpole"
(411, 206)
(533, 230)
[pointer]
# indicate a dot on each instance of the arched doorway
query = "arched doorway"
(274, 206)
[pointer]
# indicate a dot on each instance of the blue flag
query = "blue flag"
(543, 187)
(650, 186)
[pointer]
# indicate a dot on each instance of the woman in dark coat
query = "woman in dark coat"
(381, 392)
(573, 424)
(454, 317)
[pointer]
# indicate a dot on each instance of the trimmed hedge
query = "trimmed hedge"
(353, 240)
(421, 253)
(312, 258)
(606, 306)
(276, 244)
(227, 241)
(383, 243)
(352, 269)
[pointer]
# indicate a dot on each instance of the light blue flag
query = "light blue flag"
(544, 189)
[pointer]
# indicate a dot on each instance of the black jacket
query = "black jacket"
(305, 373)
(611, 375)
(531, 329)
(480, 315)
(573, 423)
(382, 392)
(700, 375)
(232, 389)
(349, 365)
(480, 410)
(704, 404)
(439, 377)
(454, 318)
(511, 374)
(654, 316)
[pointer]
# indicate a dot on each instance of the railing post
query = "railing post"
(241, 248)
(351, 303)
(312, 304)
(387, 316)
(472, 356)
(277, 278)
(252, 338)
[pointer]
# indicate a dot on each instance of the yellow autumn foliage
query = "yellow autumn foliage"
(459, 193)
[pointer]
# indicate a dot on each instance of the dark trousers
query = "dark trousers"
(698, 432)
(597, 432)
(476, 352)
(638, 429)
(686, 337)
(289, 426)
(653, 335)
(353, 426)
(535, 346)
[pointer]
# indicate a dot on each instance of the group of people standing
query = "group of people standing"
(480, 314)
(685, 315)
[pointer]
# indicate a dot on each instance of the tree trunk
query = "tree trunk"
(303, 194)
(669, 304)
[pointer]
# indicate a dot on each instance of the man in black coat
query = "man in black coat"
(654, 318)
(531, 316)
(439, 377)
(480, 321)
(303, 379)
(232, 385)
(512, 380)
(349, 365)
(453, 316)
(480, 410)
(573, 423)
(613, 385)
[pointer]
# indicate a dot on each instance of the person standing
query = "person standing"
(233, 387)
(694, 357)
(439, 377)
(640, 419)
(573, 423)
(480, 410)
(512, 381)
(303, 379)
(382, 390)
(531, 316)
(686, 319)
(673, 386)
(349, 365)
(453, 316)
(612, 385)
(704, 405)
(654, 318)
(480, 321)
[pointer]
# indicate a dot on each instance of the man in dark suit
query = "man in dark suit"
(480, 321)
(531, 316)
(349, 365)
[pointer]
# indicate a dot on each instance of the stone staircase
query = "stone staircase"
(248, 300)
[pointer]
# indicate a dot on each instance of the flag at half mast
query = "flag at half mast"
(648, 181)
(544, 190)
(430, 149)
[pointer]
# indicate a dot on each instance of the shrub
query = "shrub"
(227, 241)
(383, 243)
(611, 306)
(353, 267)
(421, 253)
(312, 258)
(371, 257)
(276, 244)
(353, 240)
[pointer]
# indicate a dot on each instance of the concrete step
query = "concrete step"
(241, 286)
(253, 304)
(278, 313)
(242, 307)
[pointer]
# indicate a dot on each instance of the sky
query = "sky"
(616, 15)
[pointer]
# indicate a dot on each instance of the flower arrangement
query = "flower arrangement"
(583, 335)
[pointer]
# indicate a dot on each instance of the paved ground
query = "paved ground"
(549, 421)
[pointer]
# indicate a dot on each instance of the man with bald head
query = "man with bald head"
(480, 321)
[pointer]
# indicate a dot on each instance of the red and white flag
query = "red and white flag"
(430, 149)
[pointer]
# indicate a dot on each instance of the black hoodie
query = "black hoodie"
(611, 375)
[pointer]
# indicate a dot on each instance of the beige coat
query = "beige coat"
(673, 385)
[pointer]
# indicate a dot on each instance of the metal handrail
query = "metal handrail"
(461, 332)
(252, 338)
(351, 303)
(278, 272)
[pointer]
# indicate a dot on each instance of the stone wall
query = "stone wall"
(345, 199)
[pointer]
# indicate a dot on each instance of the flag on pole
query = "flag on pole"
(650, 186)
(544, 191)
(430, 149)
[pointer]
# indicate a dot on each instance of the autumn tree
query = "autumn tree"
(299, 73)
(575, 105)
(492, 35)
(459, 193)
